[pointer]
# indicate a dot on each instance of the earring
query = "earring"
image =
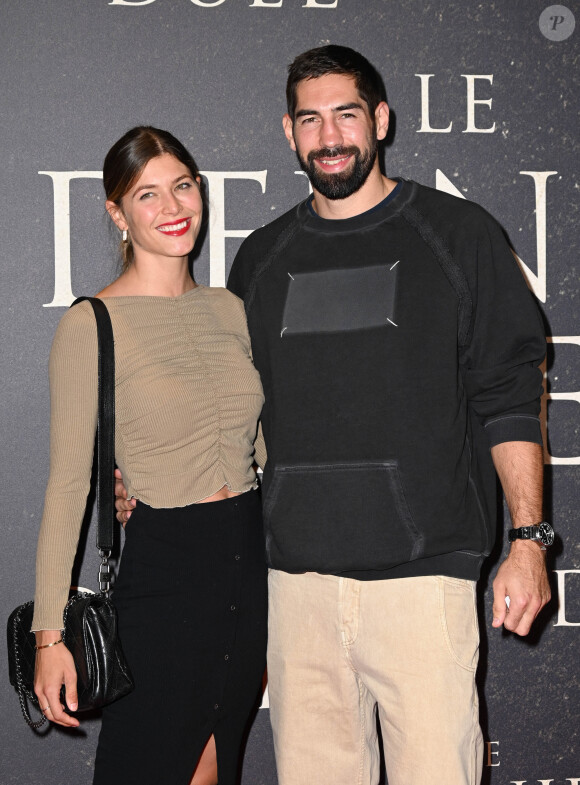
(125, 236)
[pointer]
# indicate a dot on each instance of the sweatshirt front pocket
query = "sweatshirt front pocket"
(339, 517)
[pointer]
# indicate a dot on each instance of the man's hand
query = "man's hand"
(123, 505)
(523, 578)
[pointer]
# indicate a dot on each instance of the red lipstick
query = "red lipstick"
(175, 228)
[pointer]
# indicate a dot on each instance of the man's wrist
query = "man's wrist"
(541, 534)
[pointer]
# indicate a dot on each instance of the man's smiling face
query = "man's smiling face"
(333, 135)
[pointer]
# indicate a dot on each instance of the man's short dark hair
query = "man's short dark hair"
(333, 59)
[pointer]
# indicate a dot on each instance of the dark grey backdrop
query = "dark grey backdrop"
(76, 75)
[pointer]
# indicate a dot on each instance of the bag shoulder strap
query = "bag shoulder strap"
(105, 431)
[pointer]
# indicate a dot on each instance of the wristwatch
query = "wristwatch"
(542, 533)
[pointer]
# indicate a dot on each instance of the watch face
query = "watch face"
(546, 533)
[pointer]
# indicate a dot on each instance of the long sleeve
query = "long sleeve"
(73, 419)
(501, 362)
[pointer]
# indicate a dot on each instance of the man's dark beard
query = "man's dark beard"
(341, 184)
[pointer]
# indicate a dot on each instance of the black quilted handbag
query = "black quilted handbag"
(89, 620)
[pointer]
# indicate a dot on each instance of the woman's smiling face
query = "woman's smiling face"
(162, 210)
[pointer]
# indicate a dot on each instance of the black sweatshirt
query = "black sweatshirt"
(395, 348)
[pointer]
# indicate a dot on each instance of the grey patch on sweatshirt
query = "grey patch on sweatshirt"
(340, 300)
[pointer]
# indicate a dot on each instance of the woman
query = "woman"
(191, 589)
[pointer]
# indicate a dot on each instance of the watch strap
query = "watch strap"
(542, 533)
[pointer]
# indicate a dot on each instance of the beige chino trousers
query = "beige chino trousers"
(341, 649)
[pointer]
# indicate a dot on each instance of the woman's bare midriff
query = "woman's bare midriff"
(223, 493)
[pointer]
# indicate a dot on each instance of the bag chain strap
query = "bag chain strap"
(105, 572)
(20, 686)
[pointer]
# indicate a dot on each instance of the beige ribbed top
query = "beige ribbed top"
(187, 400)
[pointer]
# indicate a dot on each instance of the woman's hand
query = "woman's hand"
(55, 667)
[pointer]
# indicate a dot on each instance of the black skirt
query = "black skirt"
(192, 601)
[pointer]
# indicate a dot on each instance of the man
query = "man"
(398, 348)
